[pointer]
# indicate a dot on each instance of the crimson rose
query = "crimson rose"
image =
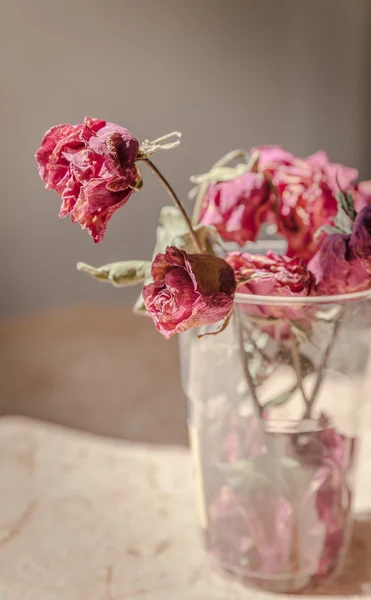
(92, 167)
(188, 290)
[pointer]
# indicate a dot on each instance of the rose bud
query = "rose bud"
(188, 290)
(336, 269)
(238, 207)
(91, 166)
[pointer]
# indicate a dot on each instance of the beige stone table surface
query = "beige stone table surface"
(88, 518)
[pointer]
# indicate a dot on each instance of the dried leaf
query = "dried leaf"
(120, 274)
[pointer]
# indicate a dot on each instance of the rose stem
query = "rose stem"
(222, 162)
(176, 201)
(326, 356)
(245, 365)
(297, 366)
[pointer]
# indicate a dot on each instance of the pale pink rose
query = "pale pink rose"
(92, 167)
(237, 208)
(337, 270)
(188, 290)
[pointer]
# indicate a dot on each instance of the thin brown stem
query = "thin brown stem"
(297, 366)
(176, 201)
(326, 357)
(245, 365)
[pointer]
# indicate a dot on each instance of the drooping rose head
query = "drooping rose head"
(188, 290)
(92, 168)
(360, 238)
(238, 207)
(272, 275)
(337, 270)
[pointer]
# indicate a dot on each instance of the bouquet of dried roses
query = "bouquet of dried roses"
(272, 337)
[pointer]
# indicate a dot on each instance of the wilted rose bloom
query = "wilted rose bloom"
(360, 238)
(237, 208)
(92, 167)
(337, 270)
(272, 275)
(305, 195)
(188, 290)
(302, 210)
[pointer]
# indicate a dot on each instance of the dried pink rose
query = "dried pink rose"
(237, 208)
(337, 270)
(305, 195)
(272, 275)
(302, 209)
(189, 290)
(360, 238)
(92, 167)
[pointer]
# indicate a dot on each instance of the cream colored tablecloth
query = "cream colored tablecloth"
(87, 518)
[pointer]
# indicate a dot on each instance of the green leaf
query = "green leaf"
(329, 229)
(346, 214)
(120, 274)
(345, 202)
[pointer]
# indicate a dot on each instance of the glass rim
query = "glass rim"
(254, 299)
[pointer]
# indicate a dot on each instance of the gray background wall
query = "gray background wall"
(226, 74)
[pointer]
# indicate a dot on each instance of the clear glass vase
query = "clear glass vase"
(273, 415)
